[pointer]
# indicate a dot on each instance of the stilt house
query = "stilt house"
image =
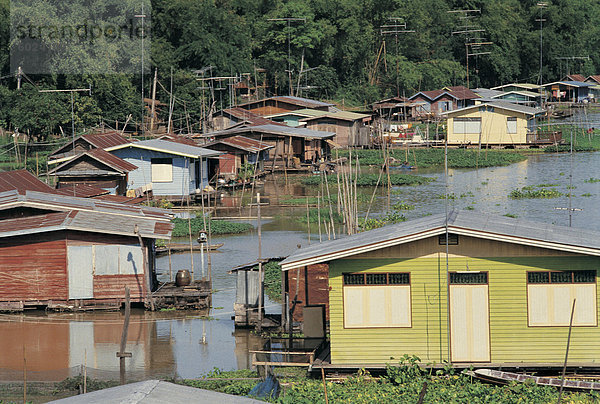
(469, 289)
(64, 252)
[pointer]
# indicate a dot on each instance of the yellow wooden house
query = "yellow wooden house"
(470, 289)
(492, 123)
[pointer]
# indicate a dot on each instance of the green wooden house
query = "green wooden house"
(472, 288)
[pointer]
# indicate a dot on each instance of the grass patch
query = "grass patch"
(530, 193)
(423, 158)
(586, 195)
(377, 222)
(546, 185)
(402, 206)
(217, 227)
(370, 180)
(511, 215)
(582, 141)
(592, 180)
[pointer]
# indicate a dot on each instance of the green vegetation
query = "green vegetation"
(402, 206)
(592, 180)
(377, 222)
(586, 195)
(511, 215)
(272, 280)
(401, 383)
(314, 214)
(423, 158)
(370, 180)
(529, 192)
(217, 227)
(546, 185)
(582, 141)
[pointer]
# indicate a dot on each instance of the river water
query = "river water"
(189, 344)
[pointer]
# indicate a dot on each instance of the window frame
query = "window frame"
(366, 285)
(510, 122)
(159, 175)
(550, 285)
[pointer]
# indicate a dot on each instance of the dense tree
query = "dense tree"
(341, 45)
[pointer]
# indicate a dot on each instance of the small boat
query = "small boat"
(500, 377)
(181, 248)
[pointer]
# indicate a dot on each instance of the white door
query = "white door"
(81, 272)
(469, 322)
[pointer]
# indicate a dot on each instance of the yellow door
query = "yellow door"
(469, 322)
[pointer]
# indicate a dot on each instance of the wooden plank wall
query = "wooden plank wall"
(34, 268)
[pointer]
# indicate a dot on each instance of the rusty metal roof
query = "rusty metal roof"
(22, 180)
(91, 213)
(300, 101)
(110, 160)
(278, 130)
(93, 222)
(99, 140)
(458, 92)
(242, 143)
(82, 191)
(249, 117)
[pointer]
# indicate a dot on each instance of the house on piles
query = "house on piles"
(469, 288)
(569, 91)
(171, 170)
(69, 253)
(446, 99)
(495, 123)
(95, 167)
(86, 142)
(239, 153)
(291, 146)
(284, 103)
(236, 117)
(350, 128)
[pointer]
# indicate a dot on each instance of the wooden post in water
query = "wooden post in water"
(562, 379)
(146, 267)
(260, 271)
(324, 386)
(24, 375)
(122, 354)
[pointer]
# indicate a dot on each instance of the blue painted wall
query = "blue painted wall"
(184, 168)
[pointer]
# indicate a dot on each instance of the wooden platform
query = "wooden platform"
(196, 296)
(183, 248)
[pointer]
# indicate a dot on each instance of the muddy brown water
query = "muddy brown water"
(189, 344)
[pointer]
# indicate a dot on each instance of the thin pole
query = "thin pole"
(122, 354)
(447, 249)
(324, 385)
(562, 379)
(260, 270)
(307, 220)
(319, 215)
(24, 376)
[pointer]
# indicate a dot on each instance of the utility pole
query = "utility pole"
(142, 16)
(153, 110)
(573, 58)
(473, 43)
(395, 27)
(289, 32)
(541, 5)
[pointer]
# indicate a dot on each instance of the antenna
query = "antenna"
(473, 43)
(289, 32)
(541, 5)
(395, 27)
(573, 58)
(142, 16)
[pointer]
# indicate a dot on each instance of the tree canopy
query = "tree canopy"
(357, 51)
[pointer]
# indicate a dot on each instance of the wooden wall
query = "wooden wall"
(33, 268)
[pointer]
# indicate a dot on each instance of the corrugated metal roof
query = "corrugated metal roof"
(458, 92)
(527, 86)
(153, 392)
(104, 140)
(302, 102)
(595, 78)
(100, 155)
(82, 191)
(570, 83)
(509, 106)
(164, 146)
(283, 130)
(575, 77)
(22, 180)
(249, 117)
(526, 93)
(178, 139)
(342, 115)
(242, 143)
(479, 225)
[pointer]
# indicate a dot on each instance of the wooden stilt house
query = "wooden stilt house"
(469, 289)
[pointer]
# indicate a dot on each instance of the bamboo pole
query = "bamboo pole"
(562, 379)
(319, 215)
(324, 385)
(308, 220)
(330, 208)
(24, 376)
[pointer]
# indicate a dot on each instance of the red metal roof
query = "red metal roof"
(458, 92)
(33, 222)
(243, 143)
(105, 139)
(595, 77)
(111, 160)
(82, 191)
(250, 117)
(576, 77)
(179, 139)
(22, 180)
